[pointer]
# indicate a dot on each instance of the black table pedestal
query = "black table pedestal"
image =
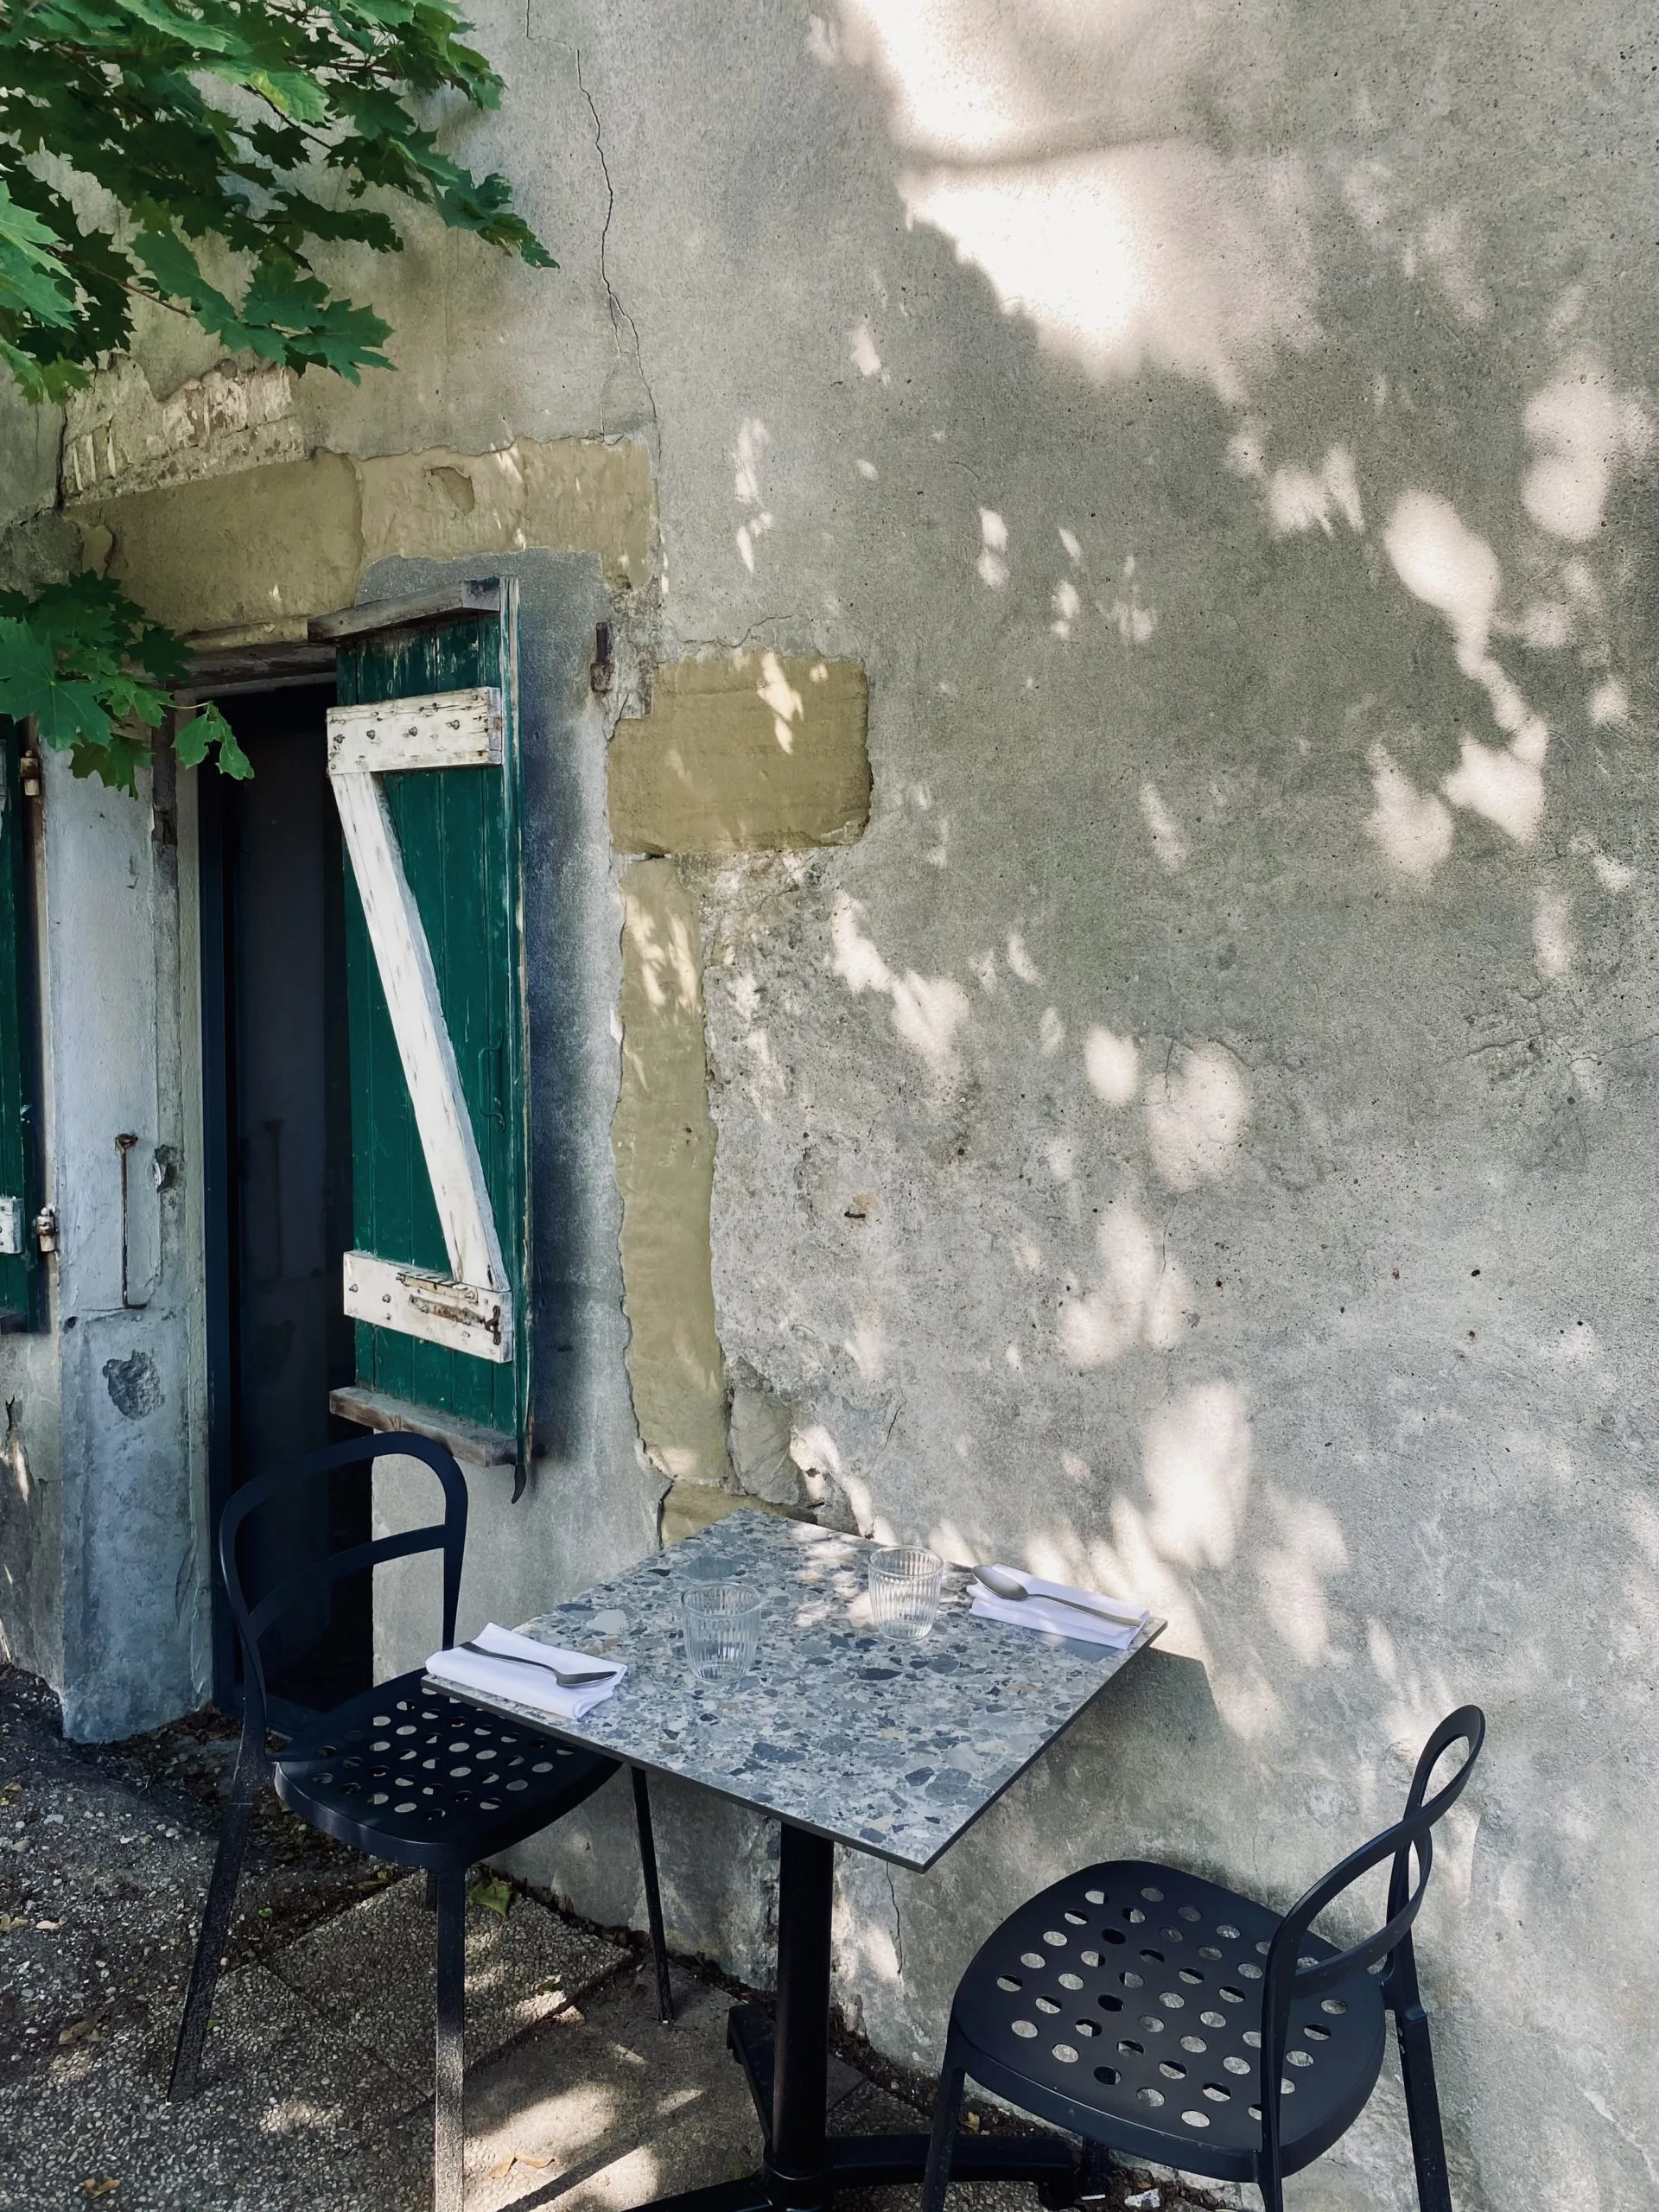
(787, 2073)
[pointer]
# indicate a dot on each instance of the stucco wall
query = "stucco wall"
(1225, 442)
(1198, 1136)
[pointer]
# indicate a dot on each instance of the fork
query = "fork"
(565, 1680)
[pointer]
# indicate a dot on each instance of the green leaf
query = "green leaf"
(207, 728)
(132, 100)
(96, 674)
(232, 760)
(66, 710)
(493, 1892)
(32, 280)
(291, 93)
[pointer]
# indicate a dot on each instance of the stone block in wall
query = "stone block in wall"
(663, 1141)
(572, 494)
(754, 752)
(261, 546)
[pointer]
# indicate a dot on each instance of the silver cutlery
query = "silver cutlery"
(1005, 1586)
(565, 1680)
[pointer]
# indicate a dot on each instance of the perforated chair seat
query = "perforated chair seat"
(1126, 2001)
(409, 1775)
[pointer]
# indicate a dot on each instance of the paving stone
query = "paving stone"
(372, 1971)
(291, 2113)
(621, 2108)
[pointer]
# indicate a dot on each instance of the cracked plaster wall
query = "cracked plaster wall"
(1200, 1137)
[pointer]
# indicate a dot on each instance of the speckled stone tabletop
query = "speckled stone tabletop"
(893, 1747)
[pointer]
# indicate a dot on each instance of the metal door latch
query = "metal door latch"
(11, 1228)
(45, 1226)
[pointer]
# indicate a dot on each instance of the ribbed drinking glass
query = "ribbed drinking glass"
(721, 1622)
(905, 1586)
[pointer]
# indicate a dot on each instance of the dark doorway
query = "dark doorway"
(278, 1195)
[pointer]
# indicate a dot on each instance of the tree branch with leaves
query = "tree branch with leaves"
(243, 131)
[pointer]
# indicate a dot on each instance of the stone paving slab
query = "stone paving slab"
(372, 1971)
(291, 2113)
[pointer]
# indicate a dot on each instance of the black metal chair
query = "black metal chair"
(403, 1773)
(1132, 2005)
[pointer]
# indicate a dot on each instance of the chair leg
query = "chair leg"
(449, 2122)
(947, 2111)
(215, 1927)
(1422, 2097)
(653, 1894)
(1095, 2173)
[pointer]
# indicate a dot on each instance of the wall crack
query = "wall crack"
(619, 314)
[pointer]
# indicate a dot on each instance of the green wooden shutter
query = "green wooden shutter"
(20, 1286)
(449, 684)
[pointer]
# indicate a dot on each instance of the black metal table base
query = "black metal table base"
(803, 2165)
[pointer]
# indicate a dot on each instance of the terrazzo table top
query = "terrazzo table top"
(893, 1747)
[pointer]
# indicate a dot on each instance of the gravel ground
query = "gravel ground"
(316, 2080)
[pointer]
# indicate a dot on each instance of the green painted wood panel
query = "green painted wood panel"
(21, 1285)
(458, 831)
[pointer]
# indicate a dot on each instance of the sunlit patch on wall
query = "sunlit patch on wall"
(1196, 1118)
(1112, 1064)
(1136, 622)
(748, 456)
(865, 357)
(1609, 703)
(927, 1010)
(993, 545)
(1613, 875)
(1302, 498)
(1552, 934)
(1067, 604)
(1140, 1301)
(1412, 828)
(1168, 839)
(1508, 792)
(1196, 1465)
(1581, 431)
(1292, 1573)
(1164, 255)
(1452, 568)
(1021, 962)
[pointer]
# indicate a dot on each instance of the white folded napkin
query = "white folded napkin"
(1061, 1620)
(528, 1686)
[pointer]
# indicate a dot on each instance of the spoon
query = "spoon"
(1003, 1584)
(566, 1682)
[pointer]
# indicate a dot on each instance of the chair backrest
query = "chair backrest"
(256, 1613)
(1410, 1845)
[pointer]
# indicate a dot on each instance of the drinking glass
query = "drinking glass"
(905, 1586)
(721, 1622)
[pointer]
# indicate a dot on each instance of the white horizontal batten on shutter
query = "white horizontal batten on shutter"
(425, 1306)
(443, 729)
(420, 1303)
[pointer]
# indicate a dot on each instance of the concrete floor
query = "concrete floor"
(316, 2079)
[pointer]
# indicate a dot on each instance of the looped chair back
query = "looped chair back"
(256, 1614)
(1292, 1977)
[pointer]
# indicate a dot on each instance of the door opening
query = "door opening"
(276, 1121)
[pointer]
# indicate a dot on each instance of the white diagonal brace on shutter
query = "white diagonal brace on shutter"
(405, 960)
